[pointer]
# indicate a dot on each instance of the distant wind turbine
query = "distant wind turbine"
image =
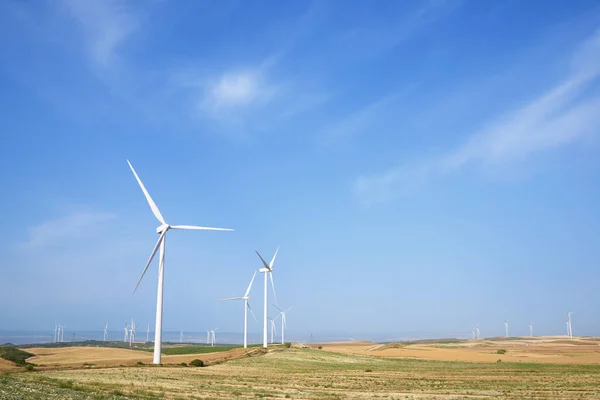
(273, 329)
(283, 321)
(148, 333)
(55, 331)
(105, 332)
(62, 333)
(247, 307)
(570, 327)
(506, 327)
(213, 336)
(162, 231)
(180, 336)
(473, 332)
(132, 333)
(531, 329)
(126, 328)
(267, 270)
(477, 331)
(207, 337)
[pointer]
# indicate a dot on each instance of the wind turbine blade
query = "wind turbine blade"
(263, 261)
(289, 308)
(233, 298)
(274, 257)
(160, 239)
(250, 285)
(252, 312)
(277, 307)
(153, 206)
(199, 228)
(273, 286)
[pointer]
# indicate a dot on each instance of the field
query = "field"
(310, 373)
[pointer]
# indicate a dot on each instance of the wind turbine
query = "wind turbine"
(105, 332)
(132, 333)
(267, 270)
(126, 328)
(477, 331)
(506, 327)
(207, 338)
(180, 336)
(162, 231)
(569, 327)
(55, 331)
(531, 329)
(273, 329)
(213, 337)
(147, 333)
(283, 321)
(62, 333)
(247, 307)
(473, 332)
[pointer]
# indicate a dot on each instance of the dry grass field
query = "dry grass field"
(382, 372)
(554, 350)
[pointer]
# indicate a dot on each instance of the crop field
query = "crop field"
(312, 374)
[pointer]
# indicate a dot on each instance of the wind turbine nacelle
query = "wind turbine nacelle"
(162, 228)
(263, 270)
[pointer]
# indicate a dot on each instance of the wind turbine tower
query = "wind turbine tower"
(105, 332)
(148, 333)
(570, 327)
(162, 230)
(506, 328)
(126, 328)
(273, 329)
(477, 331)
(180, 336)
(267, 270)
(132, 333)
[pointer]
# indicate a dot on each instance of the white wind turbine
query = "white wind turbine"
(162, 231)
(247, 307)
(569, 327)
(132, 333)
(473, 332)
(105, 332)
(207, 337)
(267, 270)
(531, 329)
(55, 331)
(180, 336)
(506, 327)
(126, 328)
(477, 331)
(147, 333)
(283, 321)
(273, 329)
(213, 336)
(61, 333)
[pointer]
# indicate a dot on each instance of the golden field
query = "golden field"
(543, 368)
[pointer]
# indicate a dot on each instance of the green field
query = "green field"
(312, 374)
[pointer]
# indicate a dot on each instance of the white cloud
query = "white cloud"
(75, 225)
(106, 25)
(562, 115)
(235, 89)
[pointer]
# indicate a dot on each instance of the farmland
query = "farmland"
(309, 373)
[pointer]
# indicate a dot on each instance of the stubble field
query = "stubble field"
(305, 373)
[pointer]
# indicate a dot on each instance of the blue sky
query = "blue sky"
(424, 165)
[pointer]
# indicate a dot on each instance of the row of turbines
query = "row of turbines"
(475, 329)
(159, 247)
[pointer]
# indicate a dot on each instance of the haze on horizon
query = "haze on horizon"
(424, 166)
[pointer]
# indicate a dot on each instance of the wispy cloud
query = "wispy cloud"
(77, 224)
(562, 115)
(106, 25)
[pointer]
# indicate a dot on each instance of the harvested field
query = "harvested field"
(313, 374)
(77, 357)
(529, 350)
